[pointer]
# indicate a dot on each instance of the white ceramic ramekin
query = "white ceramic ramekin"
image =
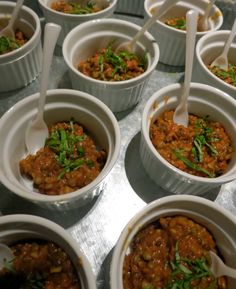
(20, 67)
(203, 100)
(69, 21)
(207, 49)
(19, 227)
(84, 40)
(172, 41)
(61, 105)
(220, 223)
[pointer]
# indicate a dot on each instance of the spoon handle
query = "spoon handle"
(229, 40)
(158, 13)
(191, 24)
(208, 9)
(51, 33)
(15, 12)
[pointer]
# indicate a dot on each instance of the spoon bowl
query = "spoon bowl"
(6, 255)
(181, 111)
(218, 267)
(222, 60)
(129, 46)
(8, 31)
(37, 130)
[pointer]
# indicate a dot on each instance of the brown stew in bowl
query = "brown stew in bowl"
(171, 253)
(39, 265)
(72, 7)
(177, 22)
(228, 76)
(108, 65)
(7, 44)
(203, 148)
(69, 160)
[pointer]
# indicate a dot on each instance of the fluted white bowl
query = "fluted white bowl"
(220, 223)
(207, 49)
(84, 40)
(61, 105)
(69, 21)
(203, 100)
(19, 227)
(172, 42)
(21, 66)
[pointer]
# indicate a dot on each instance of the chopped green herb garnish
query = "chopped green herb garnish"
(177, 23)
(7, 44)
(203, 138)
(192, 165)
(185, 271)
(68, 149)
(228, 76)
(118, 60)
(77, 8)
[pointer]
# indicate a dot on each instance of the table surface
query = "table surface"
(97, 226)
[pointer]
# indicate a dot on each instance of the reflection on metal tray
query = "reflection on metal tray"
(97, 226)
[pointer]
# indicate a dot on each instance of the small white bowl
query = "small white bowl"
(69, 21)
(207, 49)
(203, 100)
(61, 105)
(84, 40)
(19, 227)
(220, 223)
(20, 67)
(172, 41)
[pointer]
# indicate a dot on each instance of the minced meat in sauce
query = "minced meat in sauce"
(8, 44)
(203, 148)
(69, 161)
(228, 76)
(172, 252)
(39, 265)
(109, 65)
(71, 7)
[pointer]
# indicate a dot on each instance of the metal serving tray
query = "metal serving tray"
(97, 226)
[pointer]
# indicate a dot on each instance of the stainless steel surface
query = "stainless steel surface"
(97, 226)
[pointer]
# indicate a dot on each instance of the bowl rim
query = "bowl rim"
(74, 16)
(202, 64)
(146, 117)
(178, 31)
(61, 232)
(111, 84)
(58, 199)
(123, 242)
(26, 48)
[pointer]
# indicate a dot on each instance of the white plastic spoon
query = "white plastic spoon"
(222, 60)
(8, 31)
(37, 130)
(203, 22)
(5, 255)
(218, 268)
(181, 111)
(129, 45)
